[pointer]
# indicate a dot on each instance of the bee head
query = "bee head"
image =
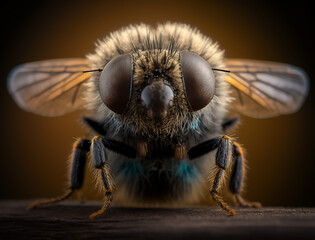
(157, 90)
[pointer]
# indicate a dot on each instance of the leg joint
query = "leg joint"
(109, 194)
(213, 192)
(82, 144)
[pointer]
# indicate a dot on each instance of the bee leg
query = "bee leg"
(119, 147)
(79, 154)
(114, 145)
(237, 177)
(99, 161)
(223, 156)
(204, 148)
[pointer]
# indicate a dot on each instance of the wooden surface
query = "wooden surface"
(69, 220)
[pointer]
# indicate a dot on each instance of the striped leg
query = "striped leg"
(223, 157)
(237, 177)
(99, 160)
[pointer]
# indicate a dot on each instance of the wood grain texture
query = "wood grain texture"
(69, 220)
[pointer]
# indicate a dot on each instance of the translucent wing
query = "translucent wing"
(266, 89)
(51, 87)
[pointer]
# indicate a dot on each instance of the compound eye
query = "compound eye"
(116, 82)
(198, 80)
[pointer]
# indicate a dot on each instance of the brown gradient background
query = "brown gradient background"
(34, 149)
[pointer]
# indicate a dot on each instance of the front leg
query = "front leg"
(98, 152)
(222, 159)
(227, 150)
(100, 161)
(237, 177)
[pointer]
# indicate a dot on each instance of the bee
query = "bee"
(157, 102)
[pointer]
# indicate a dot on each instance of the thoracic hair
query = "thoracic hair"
(151, 49)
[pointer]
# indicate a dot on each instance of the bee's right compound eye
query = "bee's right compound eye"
(198, 80)
(116, 82)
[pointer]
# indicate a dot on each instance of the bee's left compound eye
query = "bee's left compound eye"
(198, 80)
(116, 82)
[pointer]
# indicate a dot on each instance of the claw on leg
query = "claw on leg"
(222, 204)
(104, 207)
(66, 195)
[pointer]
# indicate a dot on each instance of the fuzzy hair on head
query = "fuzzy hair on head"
(153, 48)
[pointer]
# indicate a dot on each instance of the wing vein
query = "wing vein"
(50, 87)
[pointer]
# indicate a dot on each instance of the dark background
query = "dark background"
(34, 149)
